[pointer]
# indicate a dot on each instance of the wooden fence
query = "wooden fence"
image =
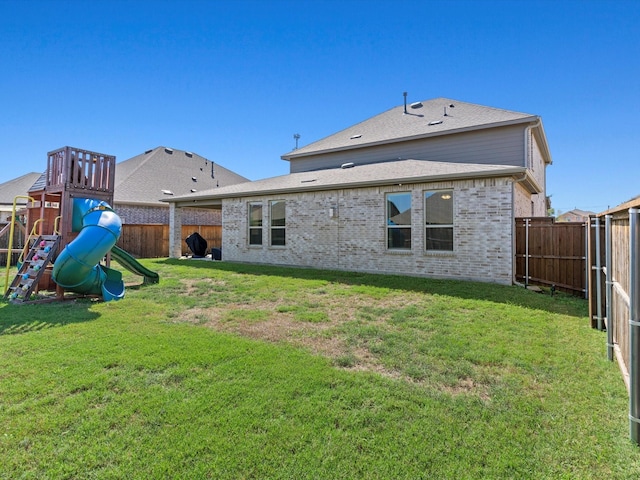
(614, 300)
(152, 241)
(18, 242)
(550, 253)
(141, 241)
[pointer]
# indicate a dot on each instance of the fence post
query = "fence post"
(526, 251)
(634, 325)
(609, 285)
(587, 267)
(598, 276)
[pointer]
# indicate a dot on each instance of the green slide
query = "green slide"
(131, 264)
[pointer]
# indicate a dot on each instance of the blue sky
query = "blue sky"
(234, 80)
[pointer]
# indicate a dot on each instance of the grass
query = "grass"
(238, 371)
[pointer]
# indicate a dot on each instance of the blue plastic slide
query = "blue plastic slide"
(78, 268)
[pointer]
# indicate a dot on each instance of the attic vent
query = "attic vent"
(416, 105)
(167, 192)
(355, 136)
(169, 151)
(188, 154)
(308, 181)
(193, 190)
(148, 151)
(347, 165)
(436, 122)
(194, 179)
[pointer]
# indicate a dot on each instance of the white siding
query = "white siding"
(496, 146)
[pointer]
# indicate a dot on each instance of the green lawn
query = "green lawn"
(235, 371)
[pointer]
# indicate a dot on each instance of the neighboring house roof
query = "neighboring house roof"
(436, 117)
(387, 173)
(18, 186)
(145, 178)
(574, 214)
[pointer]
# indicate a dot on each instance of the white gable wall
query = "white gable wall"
(355, 240)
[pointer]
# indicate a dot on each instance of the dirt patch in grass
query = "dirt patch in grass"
(316, 322)
(320, 338)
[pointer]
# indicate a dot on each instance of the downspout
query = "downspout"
(525, 164)
(513, 230)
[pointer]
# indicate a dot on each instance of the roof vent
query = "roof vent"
(167, 192)
(347, 165)
(416, 105)
(188, 154)
(355, 136)
(193, 190)
(148, 151)
(308, 181)
(436, 122)
(194, 179)
(169, 150)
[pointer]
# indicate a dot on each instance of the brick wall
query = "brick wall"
(145, 215)
(355, 239)
(522, 203)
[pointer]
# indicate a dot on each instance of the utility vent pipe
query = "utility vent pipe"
(405, 101)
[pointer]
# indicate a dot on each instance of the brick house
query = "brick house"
(143, 180)
(428, 189)
(575, 215)
(14, 188)
(140, 183)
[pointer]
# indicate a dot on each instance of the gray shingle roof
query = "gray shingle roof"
(387, 173)
(18, 186)
(429, 119)
(142, 179)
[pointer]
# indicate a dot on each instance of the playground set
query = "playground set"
(73, 232)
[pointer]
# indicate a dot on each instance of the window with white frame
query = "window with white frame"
(255, 223)
(399, 221)
(278, 222)
(438, 213)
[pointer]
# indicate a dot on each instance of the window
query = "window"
(438, 212)
(278, 220)
(255, 224)
(399, 221)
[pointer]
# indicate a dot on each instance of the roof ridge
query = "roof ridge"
(393, 125)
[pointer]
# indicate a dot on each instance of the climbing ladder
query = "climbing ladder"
(33, 267)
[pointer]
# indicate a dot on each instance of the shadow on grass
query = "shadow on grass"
(512, 295)
(18, 319)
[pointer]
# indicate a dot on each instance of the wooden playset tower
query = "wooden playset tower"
(71, 173)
